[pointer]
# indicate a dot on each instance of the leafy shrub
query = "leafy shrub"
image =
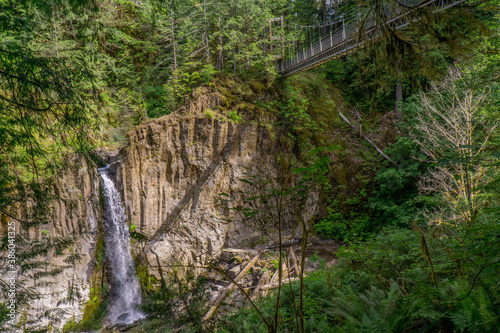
(206, 73)
(209, 113)
(234, 116)
(351, 222)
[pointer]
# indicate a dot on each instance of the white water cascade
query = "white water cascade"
(125, 289)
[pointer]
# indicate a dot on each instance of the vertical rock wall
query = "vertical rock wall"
(172, 175)
(75, 214)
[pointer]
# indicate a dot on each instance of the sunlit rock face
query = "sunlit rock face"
(172, 175)
(75, 213)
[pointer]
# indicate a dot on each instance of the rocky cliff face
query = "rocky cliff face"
(75, 215)
(172, 175)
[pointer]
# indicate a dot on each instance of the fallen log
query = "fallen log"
(262, 281)
(294, 261)
(276, 284)
(226, 292)
(244, 251)
(276, 274)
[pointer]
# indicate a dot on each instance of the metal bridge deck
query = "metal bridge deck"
(345, 40)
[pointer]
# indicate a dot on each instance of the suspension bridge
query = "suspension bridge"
(317, 44)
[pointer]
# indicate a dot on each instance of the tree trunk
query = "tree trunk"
(235, 49)
(173, 39)
(399, 97)
(282, 40)
(206, 29)
(271, 40)
(220, 60)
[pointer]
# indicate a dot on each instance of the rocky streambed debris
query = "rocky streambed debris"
(244, 275)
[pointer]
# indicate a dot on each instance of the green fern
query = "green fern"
(377, 310)
(475, 312)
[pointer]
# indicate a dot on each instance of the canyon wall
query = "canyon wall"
(75, 214)
(172, 175)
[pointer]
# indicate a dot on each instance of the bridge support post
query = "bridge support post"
(343, 28)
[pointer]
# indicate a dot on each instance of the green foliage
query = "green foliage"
(45, 115)
(365, 85)
(4, 312)
(394, 256)
(234, 116)
(207, 72)
(306, 111)
(395, 200)
(377, 310)
(162, 301)
(296, 119)
(476, 312)
(210, 114)
(352, 221)
(164, 99)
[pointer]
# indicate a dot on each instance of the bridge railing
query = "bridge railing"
(346, 38)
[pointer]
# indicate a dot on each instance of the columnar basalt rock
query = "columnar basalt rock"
(75, 213)
(172, 175)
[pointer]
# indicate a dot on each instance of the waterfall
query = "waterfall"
(125, 289)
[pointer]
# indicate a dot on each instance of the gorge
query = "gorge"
(168, 180)
(249, 166)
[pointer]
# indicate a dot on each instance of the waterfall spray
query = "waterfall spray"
(125, 289)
